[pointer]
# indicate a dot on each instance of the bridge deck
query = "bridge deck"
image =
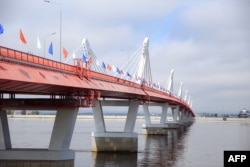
(29, 74)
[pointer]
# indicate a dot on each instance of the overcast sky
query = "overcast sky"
(206, 42)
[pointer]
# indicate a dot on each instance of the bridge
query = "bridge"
(28, 81)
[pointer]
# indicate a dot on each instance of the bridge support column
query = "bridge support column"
(157, 128)
(175, 114)
(58, 153)
(5, 142)
(125, 141)
(189, 118)
(181, 117)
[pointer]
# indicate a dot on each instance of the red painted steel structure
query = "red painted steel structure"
(24, 73)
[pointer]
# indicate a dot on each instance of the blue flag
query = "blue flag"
(118, 71)
(84, 58)
(1, 29)
(51, 48)
(103, 65)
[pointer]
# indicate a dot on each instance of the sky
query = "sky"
(206, 42)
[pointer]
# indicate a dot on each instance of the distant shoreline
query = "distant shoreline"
(220, 119)
(117, 117)
(78, 117)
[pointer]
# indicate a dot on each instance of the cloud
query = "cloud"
(206, 42)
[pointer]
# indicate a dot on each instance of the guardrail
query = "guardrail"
(22, 57)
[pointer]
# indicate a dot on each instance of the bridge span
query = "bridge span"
(66, 88)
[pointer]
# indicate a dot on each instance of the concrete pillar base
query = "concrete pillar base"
(36, 154)
(173, 125)
(158, 129)
(183, 123)
(114, 141)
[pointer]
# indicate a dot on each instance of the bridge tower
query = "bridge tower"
(139, 64)
(144, 69)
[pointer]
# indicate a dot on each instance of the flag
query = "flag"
(84, 58)
(1, 29)
(117, 70)
(97, 62)
(129, 75)
(90, 60)
(21, 36)
(38, 43)
(114, 68)
(109, 67)
(74, 55)
(103, 65)
(65, 52)
(51, 48)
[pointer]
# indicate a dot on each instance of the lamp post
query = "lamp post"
(45, 40)
(58, 4)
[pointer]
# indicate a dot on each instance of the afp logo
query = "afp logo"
(236, 158)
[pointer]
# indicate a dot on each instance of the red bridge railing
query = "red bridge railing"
(8, 54)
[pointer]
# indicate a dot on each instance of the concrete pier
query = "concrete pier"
(123, 141)
(58, 152)
(114, 141)
(157, 129)
(164, 125)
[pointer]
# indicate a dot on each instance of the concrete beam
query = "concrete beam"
(115, 103)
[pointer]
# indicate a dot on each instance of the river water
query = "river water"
(200, 145)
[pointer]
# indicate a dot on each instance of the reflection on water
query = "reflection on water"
(158, 150)
(162, 150)
(107, 159)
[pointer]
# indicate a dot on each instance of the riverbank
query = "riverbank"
(88, 117)
(220, 119)
(117, 117)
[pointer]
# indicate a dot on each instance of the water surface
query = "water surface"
(201, 144)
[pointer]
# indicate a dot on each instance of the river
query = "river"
(200, 144)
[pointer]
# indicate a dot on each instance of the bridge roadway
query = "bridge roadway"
(77, 86)
(29, 74)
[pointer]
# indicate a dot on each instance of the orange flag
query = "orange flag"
(90, 60)
(109, 67)
(22, 38)
(65, 52)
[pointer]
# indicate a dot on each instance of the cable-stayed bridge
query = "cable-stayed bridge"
(28, 81)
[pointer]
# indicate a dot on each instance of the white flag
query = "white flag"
(97, 63)
(38, 44)
(74, 55)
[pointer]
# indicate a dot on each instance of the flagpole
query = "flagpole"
(45, 40)
(60, 24)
